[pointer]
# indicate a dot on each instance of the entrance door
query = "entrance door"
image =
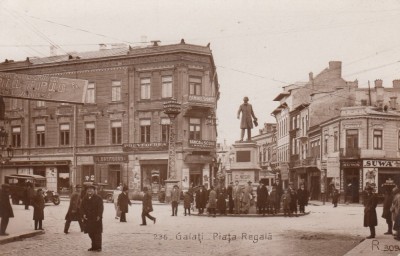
(352, 178)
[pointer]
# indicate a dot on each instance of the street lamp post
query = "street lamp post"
(3, 146)
(172, 108)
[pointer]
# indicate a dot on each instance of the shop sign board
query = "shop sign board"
(150, 146)
(43, 87)
(381, 163)
(351, 164)
(202, 143)
(105, 159)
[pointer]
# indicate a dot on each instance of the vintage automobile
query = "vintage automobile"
(103, 190)
(18, 183)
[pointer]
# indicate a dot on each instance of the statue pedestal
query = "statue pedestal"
(245, 167)
(169, 185)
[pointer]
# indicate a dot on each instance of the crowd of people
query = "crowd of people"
(236, 199)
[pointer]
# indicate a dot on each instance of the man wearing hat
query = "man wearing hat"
(73, 213)
(6, 211)
(123, 202)
(370, 218)
(92, 212)
(247, 196)
(246, 122)
(175, 200)
(201, 199)
(237, 197)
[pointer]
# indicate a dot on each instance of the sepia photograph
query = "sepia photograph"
(214, 127)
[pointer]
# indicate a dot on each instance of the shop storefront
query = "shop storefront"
(153, 173)
(378, 172)
(196, 170)
(350, 181)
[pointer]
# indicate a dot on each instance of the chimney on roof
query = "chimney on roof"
(396, 83)
(378, 83)
(102, 47)
(393, 102)
(335, 67)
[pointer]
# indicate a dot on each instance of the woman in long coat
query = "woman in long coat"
(201, 199)
(38, 209)
(212, 201)
(6, 211)
(221, 203)
(370, 218)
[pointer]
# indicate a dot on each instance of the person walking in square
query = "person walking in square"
(335, 197)
(73, 213)
(147, 207)
(187, 201)
(6, 211)
(123, 202)
(92, 212)
(175, 194)
(38, 209)
(370, 218)
(286, 203)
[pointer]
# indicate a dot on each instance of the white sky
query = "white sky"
(258, 46)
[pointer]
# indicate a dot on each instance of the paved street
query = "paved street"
(325, 231)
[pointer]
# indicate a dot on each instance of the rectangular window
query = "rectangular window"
(166, 86)
(16, 136)
(116, 132)
(145, 88)
(90, 93)
(165, 123)
(145, 125)
(194, 129)
(194, 85)
(40, 104)
(336, 141)
(351, 138)
(378, 139)
(116, 91)
(89, 133)
(64, 134)
(40, 135)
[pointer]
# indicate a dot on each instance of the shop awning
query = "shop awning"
(198, 159)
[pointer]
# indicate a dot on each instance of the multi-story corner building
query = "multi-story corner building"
(120, 134)
(361, 144)
(266, 144)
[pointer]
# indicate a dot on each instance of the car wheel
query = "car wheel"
(56, 200)
(109, 198)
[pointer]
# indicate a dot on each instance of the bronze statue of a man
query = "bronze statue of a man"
(246, 122)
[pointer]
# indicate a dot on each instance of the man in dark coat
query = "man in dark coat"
(29, 193)
(302, 198)
(201, 199)
(335, 197)
(246, 123)
(147, 207)
(262, 197)
(387, 203)
(92, 211)
(38, 209)
(6, 211)
(221, 200)
(73, 213)
(231, 204)
(370, 219)
(123, 202)
(293, 199)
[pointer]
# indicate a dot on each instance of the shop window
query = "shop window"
(40, 135)
(145, 88)
(90, 133)
(16, 136)
(116, 132)
(88, 173)
(116, 91)
(145, 130)
(64, 134)
(166, 86)
(194, 129)
(194, 85)
(90, 93)
(40, 104)
(378, 139)
(165, 124)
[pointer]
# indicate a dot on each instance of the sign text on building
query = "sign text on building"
(349, 164)
(110, 159)
(202, 143)
(42, 87)
(380, 163)
(150, 146)
(200, 98)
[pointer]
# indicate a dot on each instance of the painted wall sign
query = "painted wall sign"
(151, 146)
(110, 159)
(380, 163)
(202, 143)
(350, 164)
(41, 87)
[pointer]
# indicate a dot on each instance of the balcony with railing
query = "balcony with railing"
(308, 162)
(350, 152)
